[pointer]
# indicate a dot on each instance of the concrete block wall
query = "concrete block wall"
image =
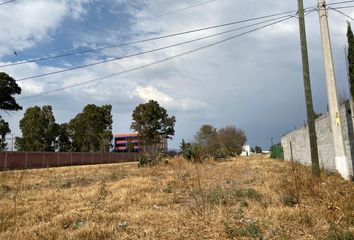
(301, 144)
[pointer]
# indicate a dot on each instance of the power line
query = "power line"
(156, 62)
(147, 40)
(344, 14)
(3, 3)
(173, 12)
(344, 7)
(342, 2)
(149, 51)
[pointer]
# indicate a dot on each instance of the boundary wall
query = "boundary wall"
(300, 141)
(29, 160)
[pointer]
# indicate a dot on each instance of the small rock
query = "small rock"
(157, 207)
(123, 224)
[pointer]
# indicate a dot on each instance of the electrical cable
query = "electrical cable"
(344, 7)
(342, 2)
(172, 12)
(146, 40)
(3, 3)
(144, 52)
(154, 63)
(344, 14)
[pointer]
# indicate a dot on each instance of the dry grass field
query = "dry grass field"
(244, 198)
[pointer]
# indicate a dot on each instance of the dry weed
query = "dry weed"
(246, 198)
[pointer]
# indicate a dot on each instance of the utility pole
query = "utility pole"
(308, 93)
(340, 157)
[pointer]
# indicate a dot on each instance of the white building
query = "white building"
(246, 151)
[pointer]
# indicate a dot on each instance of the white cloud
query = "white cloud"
(254, 82)
(25, 23)
(151, 93)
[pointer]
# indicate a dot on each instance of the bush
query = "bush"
(144, 160)
(221, 153)
(193, 152)
(339, 234)
(152, 159)
(250, 230)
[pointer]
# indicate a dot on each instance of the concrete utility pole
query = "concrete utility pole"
(308, 93)
(334, 115)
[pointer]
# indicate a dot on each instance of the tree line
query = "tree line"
(210, 142)
(88, 131)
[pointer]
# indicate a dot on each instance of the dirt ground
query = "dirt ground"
(243, 198)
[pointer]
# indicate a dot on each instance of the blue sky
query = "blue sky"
(253, 82)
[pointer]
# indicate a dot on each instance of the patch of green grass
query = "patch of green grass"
(336, 233)
(216, 195)
(250, 230)
(167, 189)
(66, 184)
(290, 201)
(249, 193)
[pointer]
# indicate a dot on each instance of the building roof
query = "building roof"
(127, 135)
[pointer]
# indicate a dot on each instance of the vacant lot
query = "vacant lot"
(246, 198)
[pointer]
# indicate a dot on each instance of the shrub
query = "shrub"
(152, 158)
(144, 160)
(339, 234)
(249, 230)
(290, 201)
(194, 153)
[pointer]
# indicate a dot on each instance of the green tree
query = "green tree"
(351, 58)
(183, 145)
(91, 130)
(39, 130)
(152, 123)
(4, 129)
(64, 143)
(231, 140)
(207, 138)
(258, 149)
(8, 88)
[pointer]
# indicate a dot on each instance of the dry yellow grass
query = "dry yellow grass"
(245, 198)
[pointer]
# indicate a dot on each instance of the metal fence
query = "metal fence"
(28, 160)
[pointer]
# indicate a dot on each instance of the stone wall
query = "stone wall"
(301, 144)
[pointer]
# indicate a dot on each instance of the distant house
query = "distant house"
(246, 151)
(131, 143)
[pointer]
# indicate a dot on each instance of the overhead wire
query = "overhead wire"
(3, 3)
(172, 12)
(144, 52)
(146, 40)
(342, 2)
(340, 12)
(155, 62)
(345, 7)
